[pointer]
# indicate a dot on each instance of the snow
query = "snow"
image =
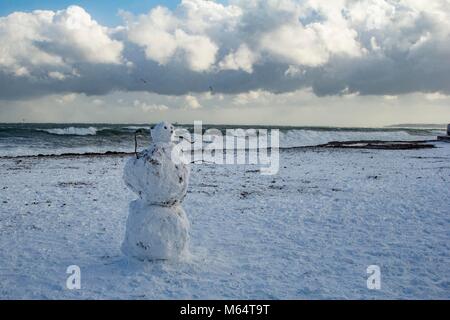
(156, 232)
(155, 177)
(162, 133)
(308, 232)
(157, 226)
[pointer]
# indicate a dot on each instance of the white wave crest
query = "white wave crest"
(136, 127)
(309, 137)
(73, 131)
(297, 138)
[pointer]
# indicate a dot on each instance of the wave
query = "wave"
(72, 131)
(308, 138)
(296, 138)
(92, 131)
(300, 135)
(22, 140)
(134, 128)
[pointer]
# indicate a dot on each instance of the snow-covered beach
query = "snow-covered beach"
(308, 232)
(225, 150)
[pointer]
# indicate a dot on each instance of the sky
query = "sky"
(104, 12)
(283, 62)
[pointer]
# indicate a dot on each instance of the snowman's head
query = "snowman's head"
(162, 132)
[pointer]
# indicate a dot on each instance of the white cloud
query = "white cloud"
(75, 35)
(148, 107)
(154, 107)
(436, 96)
(251, 97)
(161, 34)
(200, 51)
(243, 58)
(296, 45)
(98, 102)
(294, 71)
(66, 98)
(47, 38)
(56, 75)
(299, 107)
(372, 14)
(192, 102)
(153, 32)
(21, 71)
(370, 47)
(200, 17)
(373, 44)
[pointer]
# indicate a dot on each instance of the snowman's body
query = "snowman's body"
(156, 232)
(157, 226)
(156, 177)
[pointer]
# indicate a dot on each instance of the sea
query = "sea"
(28, 139)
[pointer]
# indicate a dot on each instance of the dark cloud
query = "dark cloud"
(391, 50)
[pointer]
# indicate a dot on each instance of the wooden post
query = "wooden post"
(135, 144)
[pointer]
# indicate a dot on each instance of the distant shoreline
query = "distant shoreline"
(359, 144)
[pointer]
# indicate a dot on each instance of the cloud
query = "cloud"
(251, 96)
(162, 35)
(192, 102)
(243, 58)
(54, 39)
(56, 75)
(300, 107)
(312, 43)
(67, 98)
(98, 102)
(436, 96)
(153, 33)
(146, 107)
(368, 47)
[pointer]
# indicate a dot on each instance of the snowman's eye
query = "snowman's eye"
(165, 127)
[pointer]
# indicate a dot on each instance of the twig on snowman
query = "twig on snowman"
(191, 142)
(182, 137)
(195, 161)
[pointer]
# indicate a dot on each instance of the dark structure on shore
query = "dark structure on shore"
(447, 137)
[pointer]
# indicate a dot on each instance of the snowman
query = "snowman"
(157, 227)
